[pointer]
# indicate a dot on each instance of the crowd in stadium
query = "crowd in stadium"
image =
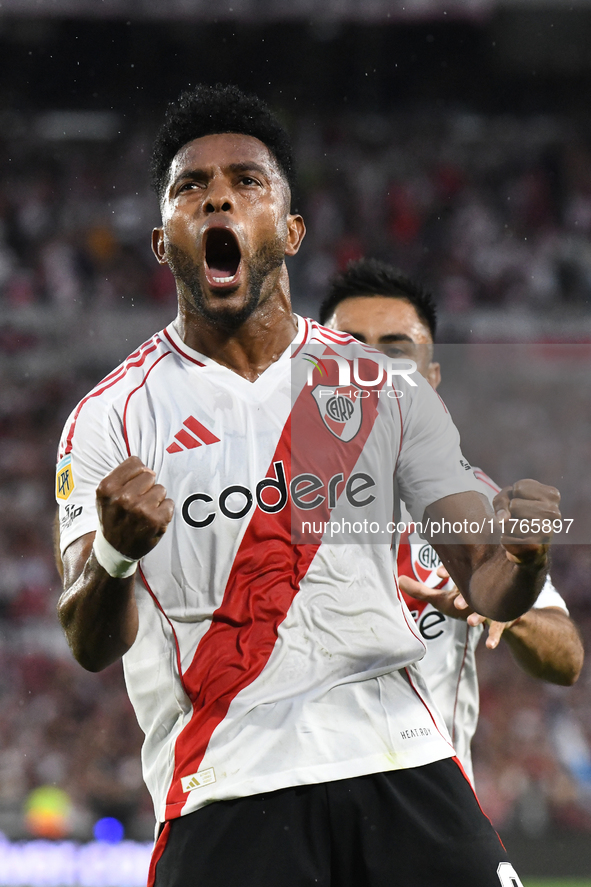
(489, 212)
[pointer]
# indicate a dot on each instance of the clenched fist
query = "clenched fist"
(133, 509)
(526, 512)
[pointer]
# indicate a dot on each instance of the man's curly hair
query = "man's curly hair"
(209, 110)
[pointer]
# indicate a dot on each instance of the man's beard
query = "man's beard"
(266, 259)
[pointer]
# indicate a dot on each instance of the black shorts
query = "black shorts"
(420, 827)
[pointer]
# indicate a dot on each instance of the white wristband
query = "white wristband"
(117, 565)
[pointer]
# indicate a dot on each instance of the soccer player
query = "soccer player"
(290, 738)
(381, 307)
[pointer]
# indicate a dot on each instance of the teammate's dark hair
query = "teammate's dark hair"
(209, 110)
(371, 277)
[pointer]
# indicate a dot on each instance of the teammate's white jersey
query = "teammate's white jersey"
(260, 663)
(449, 665)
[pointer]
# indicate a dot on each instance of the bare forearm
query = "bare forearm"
(98, 612)
(546, 644)
(503, 590)
(98, 615)
(499, 581)
(492, 585)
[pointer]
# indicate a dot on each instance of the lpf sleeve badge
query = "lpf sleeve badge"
(64, 479)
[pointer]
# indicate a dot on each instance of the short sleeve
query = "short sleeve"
(430, 464)
(549, 597)
(89, 450)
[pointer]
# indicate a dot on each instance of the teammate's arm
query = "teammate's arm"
(499, 581)
(97, 611)
(545, 643)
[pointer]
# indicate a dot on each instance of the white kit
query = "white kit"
(260, 663)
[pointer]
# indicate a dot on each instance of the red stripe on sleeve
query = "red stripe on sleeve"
(113, 378)
(480, 475)
(130, 395)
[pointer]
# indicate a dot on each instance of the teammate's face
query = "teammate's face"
(226, 226)
(391, 325)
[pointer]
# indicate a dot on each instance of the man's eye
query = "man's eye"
(395, 351)
(188, 186)
(248, 180)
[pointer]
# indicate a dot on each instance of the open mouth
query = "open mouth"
(222, 257)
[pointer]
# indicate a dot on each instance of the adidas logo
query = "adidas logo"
(202, 435)
(197, 780)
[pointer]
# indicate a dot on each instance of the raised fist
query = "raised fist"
(133, 509)
(526, 512)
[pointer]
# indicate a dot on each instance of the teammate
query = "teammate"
(378, 305)
(289, 733)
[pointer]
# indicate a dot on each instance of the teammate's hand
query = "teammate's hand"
(448, 601)
(451, 603)
(133, 510)
(527, 510)
(495, 632)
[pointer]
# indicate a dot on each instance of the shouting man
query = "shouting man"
(290, 739)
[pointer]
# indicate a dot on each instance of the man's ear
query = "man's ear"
(296, 230)
(158, 247)
(434, 374)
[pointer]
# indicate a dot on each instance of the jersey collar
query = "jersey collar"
(173, 339)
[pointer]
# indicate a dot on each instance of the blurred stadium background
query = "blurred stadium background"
(451, 137)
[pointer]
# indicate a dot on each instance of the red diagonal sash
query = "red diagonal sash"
(265, 577)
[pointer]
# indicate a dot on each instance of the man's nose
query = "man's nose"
(218, 199)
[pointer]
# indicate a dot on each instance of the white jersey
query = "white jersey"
(449, 665)
(260, 663)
